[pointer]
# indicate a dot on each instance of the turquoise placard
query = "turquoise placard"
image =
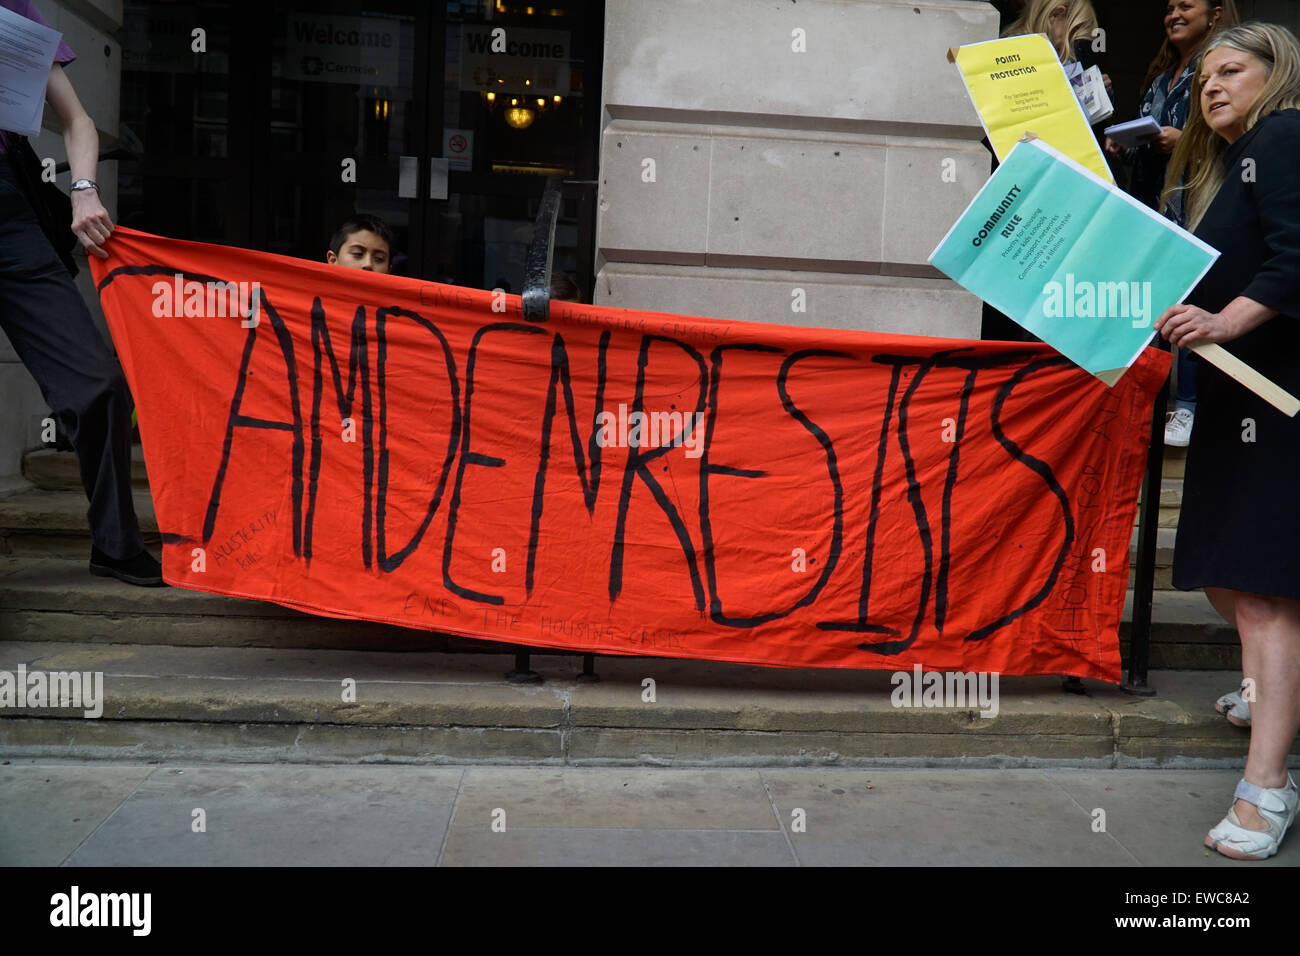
(1075, 260)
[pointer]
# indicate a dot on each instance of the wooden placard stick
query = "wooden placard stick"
(1229, 364)
(1268, 390)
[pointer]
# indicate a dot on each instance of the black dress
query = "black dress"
(1240, 522)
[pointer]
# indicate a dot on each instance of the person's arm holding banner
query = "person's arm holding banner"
(46, 319)
(90, 220)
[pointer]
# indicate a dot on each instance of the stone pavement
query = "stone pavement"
(132, 814)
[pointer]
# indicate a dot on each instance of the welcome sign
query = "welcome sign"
(626, 482)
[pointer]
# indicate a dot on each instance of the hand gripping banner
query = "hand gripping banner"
(383, 448)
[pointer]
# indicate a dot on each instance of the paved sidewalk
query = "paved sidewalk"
(131, 814)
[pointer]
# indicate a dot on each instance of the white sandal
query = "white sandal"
(1234, 707)
(1278, 809)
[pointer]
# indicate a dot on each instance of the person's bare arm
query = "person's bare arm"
(90, 220)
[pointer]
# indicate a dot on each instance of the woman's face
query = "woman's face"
(1187, 21)
(1232, 81)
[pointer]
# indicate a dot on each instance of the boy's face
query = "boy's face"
(361, 250)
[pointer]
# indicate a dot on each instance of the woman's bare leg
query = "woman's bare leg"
(1224, 602)
(1221, 598)
(1270, 639)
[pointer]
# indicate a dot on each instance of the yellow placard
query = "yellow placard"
(1018, 86)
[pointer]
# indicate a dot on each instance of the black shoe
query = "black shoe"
(143, 570)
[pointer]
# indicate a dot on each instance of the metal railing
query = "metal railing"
(1144, 574)
(541, 252)
(537, 308)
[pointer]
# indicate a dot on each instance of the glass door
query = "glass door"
(519, 91)
(346, 124)
(184, 155)
(445, 118)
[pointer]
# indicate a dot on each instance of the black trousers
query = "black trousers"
(51, 329)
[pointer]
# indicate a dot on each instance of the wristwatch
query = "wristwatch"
(85, 184)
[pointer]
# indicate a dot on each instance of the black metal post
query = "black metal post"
(537, 308)
(537, 269)
(588, 674)
(522, 674)
(1144, 576)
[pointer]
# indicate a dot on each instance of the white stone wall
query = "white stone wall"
(87, 27)
(776, 170)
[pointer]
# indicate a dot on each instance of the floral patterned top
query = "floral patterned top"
(1168, 108)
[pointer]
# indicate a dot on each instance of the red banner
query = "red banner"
(626, 482)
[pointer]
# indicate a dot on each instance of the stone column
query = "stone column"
(755, 148)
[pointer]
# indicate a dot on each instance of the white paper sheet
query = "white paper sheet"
(26, 54)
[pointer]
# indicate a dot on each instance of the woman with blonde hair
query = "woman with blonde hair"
(1237, 536)
(1067, 23)
(1189, 24)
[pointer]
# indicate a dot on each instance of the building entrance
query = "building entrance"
(443, 118)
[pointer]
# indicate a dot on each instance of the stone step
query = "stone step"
(1165, 538)
(1171, 493)
(257, 704)
(1171, 502)
(36, 522)
(1164, 579)
(1175, 462)
(52, 470)
(1187, 633)
(56, 600)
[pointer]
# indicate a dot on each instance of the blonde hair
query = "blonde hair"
(1196, 165)
(1080, 22)
(1168, 56)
